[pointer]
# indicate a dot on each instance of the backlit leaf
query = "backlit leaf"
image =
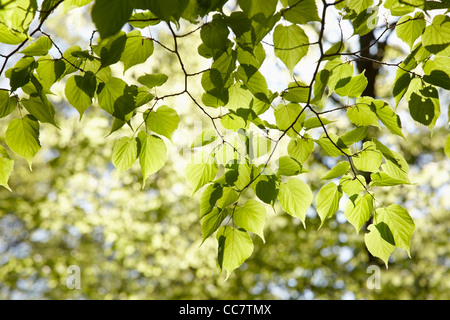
(152, 155)
(328, 201)
(295, 197)
(251, 217)
(22, 137)
(235, 246)
(124, 153)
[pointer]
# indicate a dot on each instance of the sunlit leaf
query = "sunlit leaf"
(251, 217)
(291, 44)
(235, 246)
(137, 49)
(22, 137)
(358, 210)
(152, 155)
(328, 201)
(163, 121)
(6, 168)
(295, 197)
(125, 153)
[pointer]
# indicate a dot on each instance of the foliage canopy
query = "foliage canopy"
(242, 174)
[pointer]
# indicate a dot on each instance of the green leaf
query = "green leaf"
(358, 210)
(424, 106)
(18, 14)
(388, 117)
(7, 104)
(291, 44)
(201, 170)
(254, 81)
(352, 87)
(80, 91)
(251, 56)
(286, 115)
(409, 29)
(315, 122)
(301, 12)
(359, 5)
(340, 169)
(239, 97)
(152, 155)
(110, 49)
(215, 34)
(365, 21)
(71, 62)
(301, 148)
(50, 70)
(22, 137)
(435, 37)
(335, 49)
(296, 92)
(142, 20)
(257, 9)
(231, 152)
(398, 7)
(20, 74)
(369, 159)
(332, 145)
(9, 36)
(340, 71)
(125, 153)
(399, 222)
(205, 138)
(396, 167)
(361, 113)
(229, 196)
(116, 125)
(137, 49)
(73, 4)
(382, 179)
(352, 185)
(163, 121)
(212, 221)
(328, 201)
(169, 10)
(217, 80)
(38, 48)
(142, 97)
(354, 135)
(288, 166)
(385, 151)
(109, 16)
(377, 244)
(401, 84)
(40, 108)
(232, 121)
(438, 72)
(266, 188)
(153, 80)
(235, 246)
(295, 197)
(242, 174)
(6, 168)
(320, 84)
(109, 92)
(251, 217)
(209, 198)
